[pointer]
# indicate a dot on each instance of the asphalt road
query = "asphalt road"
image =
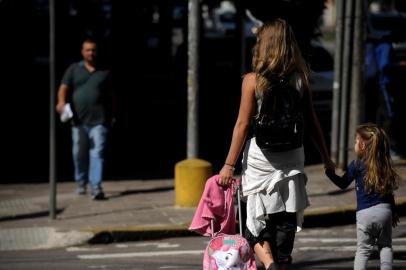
(319, 248)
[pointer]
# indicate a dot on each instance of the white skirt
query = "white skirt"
(271, 183)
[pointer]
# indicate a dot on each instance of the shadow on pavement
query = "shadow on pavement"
(29, 215)
(319, 264)
(124, 236)
(333, 193)
(329, 220)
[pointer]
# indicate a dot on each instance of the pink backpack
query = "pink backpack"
(224, 251)
(228, 252)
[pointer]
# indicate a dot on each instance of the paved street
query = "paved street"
(334, 248)
(317, 248)
(144, 212)
(139, 209)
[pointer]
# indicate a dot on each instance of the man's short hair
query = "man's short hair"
(89, 40)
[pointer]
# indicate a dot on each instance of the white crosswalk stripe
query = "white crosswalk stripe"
(353, 248)
(140, 254)
(339, 240)
(335, 244)
(302, 244)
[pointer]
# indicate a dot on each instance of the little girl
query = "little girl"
(375, 180)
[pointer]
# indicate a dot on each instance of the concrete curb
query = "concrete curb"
(400, 201)
(334, 216)
(318, 217)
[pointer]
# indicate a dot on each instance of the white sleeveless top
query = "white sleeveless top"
(273, 181)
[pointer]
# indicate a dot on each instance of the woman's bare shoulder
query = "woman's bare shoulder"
(249, 80)
(249, 76)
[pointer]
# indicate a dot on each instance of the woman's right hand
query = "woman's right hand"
(226, 175)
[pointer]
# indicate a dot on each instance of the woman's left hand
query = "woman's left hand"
(226, 175)
(395, 219)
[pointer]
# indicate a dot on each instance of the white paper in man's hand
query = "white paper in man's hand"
(66, 113)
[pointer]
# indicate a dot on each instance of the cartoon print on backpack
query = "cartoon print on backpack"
(228, 255)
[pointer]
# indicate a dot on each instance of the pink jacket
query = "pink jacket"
(216, 203)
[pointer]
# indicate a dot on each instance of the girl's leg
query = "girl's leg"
(386, 256)
(365, 239)
(364, 249)
(384, 239)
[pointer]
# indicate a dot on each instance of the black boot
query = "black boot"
(272, 267)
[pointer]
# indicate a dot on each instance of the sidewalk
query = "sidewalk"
(139, 209)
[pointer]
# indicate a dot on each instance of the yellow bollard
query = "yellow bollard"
(190, 178)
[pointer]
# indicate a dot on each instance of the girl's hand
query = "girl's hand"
(226, 175)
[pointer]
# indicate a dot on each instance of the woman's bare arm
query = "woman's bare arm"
(241, 127)
(313, 127)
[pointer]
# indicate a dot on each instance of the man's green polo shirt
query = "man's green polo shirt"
(90, 94)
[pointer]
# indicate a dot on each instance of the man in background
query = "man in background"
(87, 87)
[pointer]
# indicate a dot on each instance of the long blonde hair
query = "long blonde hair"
(276, 52)
(380, 175)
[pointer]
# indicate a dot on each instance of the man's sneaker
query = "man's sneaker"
(98, 196)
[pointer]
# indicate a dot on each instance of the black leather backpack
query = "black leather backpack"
(279, 124)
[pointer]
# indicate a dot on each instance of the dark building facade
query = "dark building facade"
(145, 45)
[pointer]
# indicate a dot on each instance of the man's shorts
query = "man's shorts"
(280, 233)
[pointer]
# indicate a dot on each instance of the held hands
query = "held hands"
(226, 175)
